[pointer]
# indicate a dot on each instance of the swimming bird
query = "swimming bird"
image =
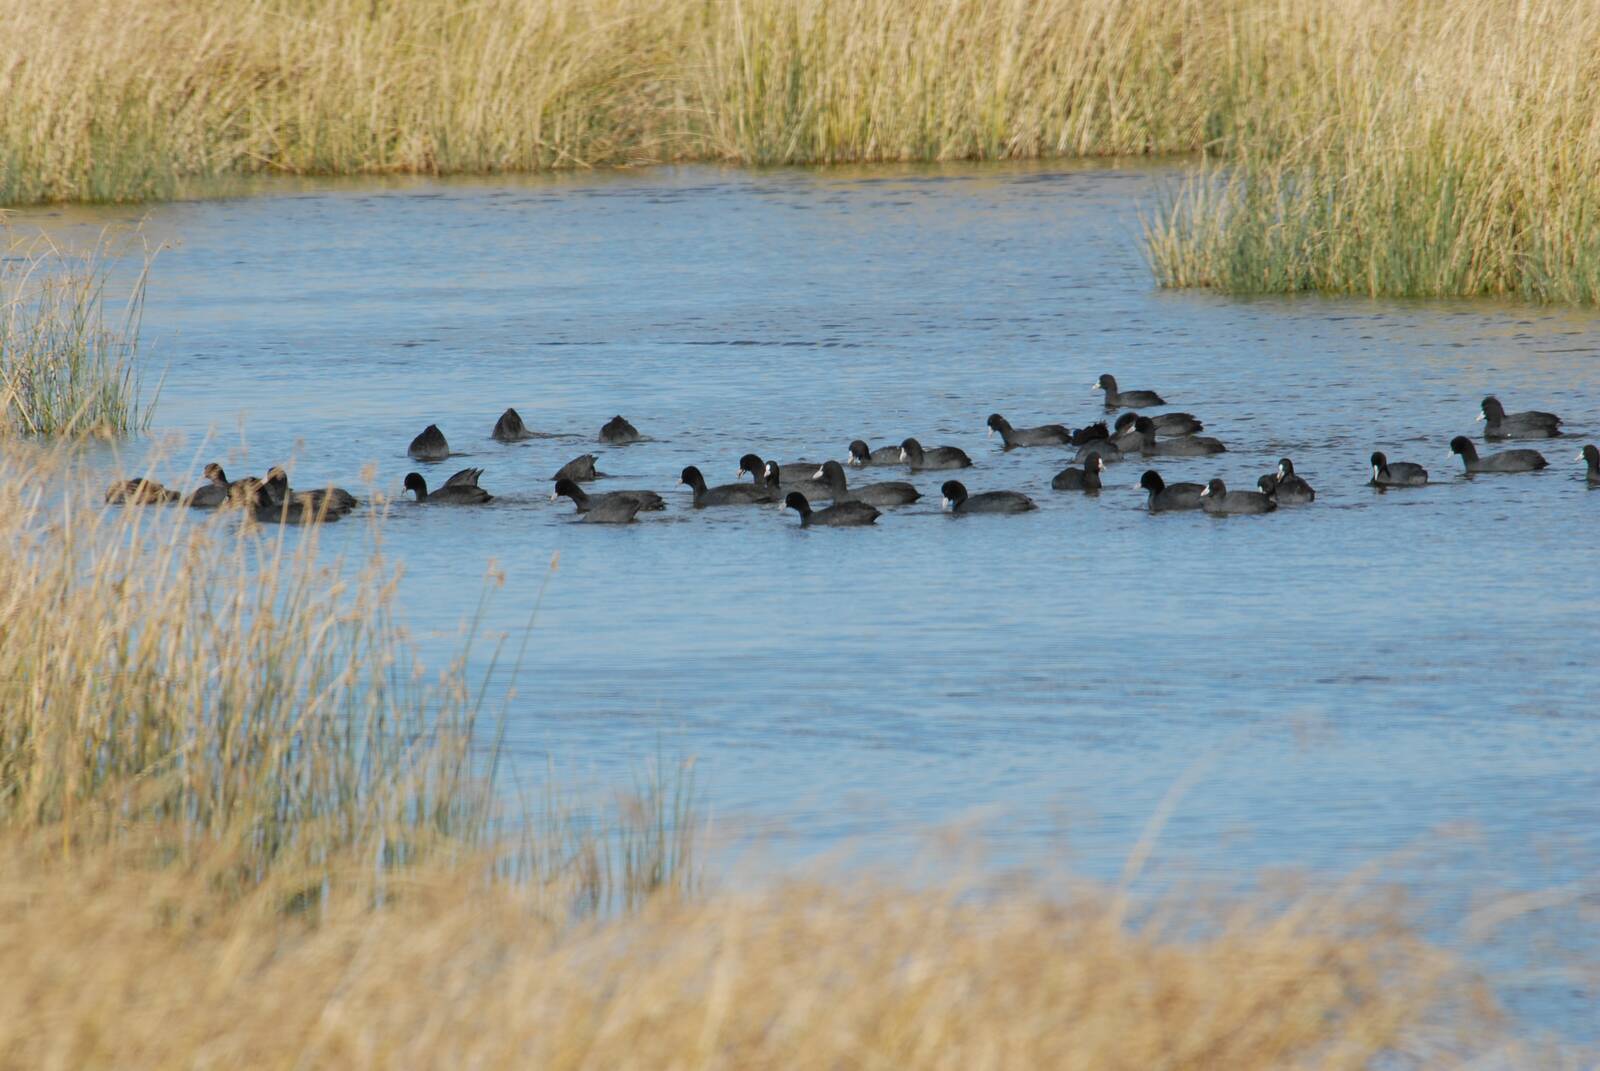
(956, 500)
(940, 457)
(509, 428)
(642, 501)
(1167, 425)
(1183, 446)
(430, 445)
(1386, 473)
(861, 454)
(1218, 500)
(728, 494)
(214, 492)
(888, 493)
(292, 510)
(459, 490)
(1498, 424)
(1505, 461)
(1084, 479)
(579, 470)
(1286, 487)
(1131, 399)
(333, 499)
(838, 515)
(796, 475)
(140, 492)
(1107, 449)
(1592, 456)
(1162, 497)
(1014, 438)
(618, 431)
(1090, 433)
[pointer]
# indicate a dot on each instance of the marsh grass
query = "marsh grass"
(1404, 147)
(129, 101)
(240, 826)
(1428, 149)
(205, 688)
(69, 363)
(108, 966)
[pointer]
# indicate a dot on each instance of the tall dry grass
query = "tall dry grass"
(109, 969)
(184, 687)
(1421, 148)
(1370, 146)
(240, 827)
(68, 356)
(124, 101)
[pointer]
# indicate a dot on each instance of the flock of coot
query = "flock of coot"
(798, 484)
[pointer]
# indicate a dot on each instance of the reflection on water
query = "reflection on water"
(1355, 675)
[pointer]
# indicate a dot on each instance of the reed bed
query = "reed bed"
(109, 969)
(68, 363)
(1428, 149)
(1400, 147)
(240, 826)
(125, 101)
(200, 688)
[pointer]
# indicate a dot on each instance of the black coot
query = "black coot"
(1084, 479)
(838, 515)
(429, 446)
(1216, 499)
(1386, 473)
(1505, 461)
(956, 500)
(1014, 438)
(940, 457)
(887, 493)
(1126, 399)
(1163, 497)
(1498, 424)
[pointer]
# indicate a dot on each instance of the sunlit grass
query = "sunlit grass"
(126, 101)
(1429, 149)
(1404, 147)
(68, 362)
(202, 687)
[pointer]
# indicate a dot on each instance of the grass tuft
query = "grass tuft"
(67, 367)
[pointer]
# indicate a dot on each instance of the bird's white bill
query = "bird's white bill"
(1205, 492)
(1479, 419)
(554, 496)
(946, 504)
(990, 435)
(905, 457)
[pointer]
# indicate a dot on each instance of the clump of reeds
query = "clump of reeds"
(107, 967)
(1426, 149)
(125, 101)
(238, 826)
(68, 365)
(201, 687)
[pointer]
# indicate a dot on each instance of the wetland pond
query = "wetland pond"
(1407, 676)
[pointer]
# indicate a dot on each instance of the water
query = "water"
(1339, 682)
